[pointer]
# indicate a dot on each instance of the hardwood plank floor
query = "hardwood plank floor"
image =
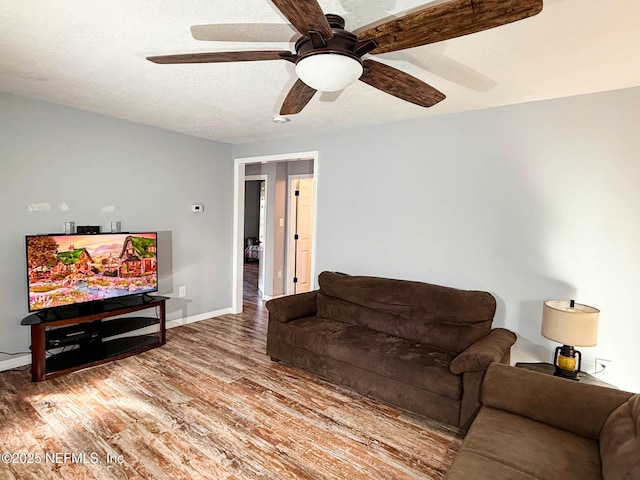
(210, 405)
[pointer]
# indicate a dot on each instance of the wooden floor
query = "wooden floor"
(210, 404)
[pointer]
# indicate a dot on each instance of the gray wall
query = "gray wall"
(530, 202)
(300, 167)
(92, 164)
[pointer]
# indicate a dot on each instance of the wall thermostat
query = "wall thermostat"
(197, 208)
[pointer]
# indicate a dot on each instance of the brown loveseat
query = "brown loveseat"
(422, 347)
(536, 426)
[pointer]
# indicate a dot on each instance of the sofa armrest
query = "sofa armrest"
(478, 356)
(561, 403)
(285, 309)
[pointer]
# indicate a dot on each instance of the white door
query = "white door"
(262, 232)
(302, 227)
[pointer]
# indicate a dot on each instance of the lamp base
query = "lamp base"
(565, 362)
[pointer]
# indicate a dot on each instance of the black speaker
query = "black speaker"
(88, 229)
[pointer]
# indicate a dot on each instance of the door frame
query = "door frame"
(238, 216)
(289, 244)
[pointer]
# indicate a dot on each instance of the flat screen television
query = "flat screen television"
(66, 270)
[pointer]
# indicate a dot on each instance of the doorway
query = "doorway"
(254, 234)
(275, 215)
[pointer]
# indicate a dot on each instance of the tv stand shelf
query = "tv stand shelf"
(83, 336)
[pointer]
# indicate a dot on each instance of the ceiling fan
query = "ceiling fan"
(329, 58)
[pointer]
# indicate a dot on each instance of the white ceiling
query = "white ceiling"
(91, 55)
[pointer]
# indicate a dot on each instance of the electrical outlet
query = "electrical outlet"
(182, 291)
(603, 368)
(279, 273)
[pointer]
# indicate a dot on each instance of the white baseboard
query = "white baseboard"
(26, 359)
(15, 362)
(197, 318)
(266, 298)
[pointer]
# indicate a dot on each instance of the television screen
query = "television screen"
(69, 269)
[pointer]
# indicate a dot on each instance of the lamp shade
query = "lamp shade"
(329, 72)
(575, 325)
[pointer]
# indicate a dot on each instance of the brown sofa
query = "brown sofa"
(537, 426)
(422, 347)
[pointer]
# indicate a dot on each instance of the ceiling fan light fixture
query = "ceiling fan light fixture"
(328, 71)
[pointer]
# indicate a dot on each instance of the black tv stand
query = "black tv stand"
(81, 336)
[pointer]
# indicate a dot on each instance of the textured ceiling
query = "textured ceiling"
(91, 55)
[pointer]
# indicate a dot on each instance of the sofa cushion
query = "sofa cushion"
(419, 365)
(503, 445)
(447, 317)
(620, 442)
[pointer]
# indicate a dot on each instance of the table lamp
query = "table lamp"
(573, 325)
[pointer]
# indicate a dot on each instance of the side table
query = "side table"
(548, 369)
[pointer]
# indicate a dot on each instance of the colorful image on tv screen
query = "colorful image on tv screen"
(67, 269)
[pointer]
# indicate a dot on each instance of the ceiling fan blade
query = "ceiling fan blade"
(216, 57)
(400, 84)
(245, 32)
(447, 20)
(305, 15)
(297, 98)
